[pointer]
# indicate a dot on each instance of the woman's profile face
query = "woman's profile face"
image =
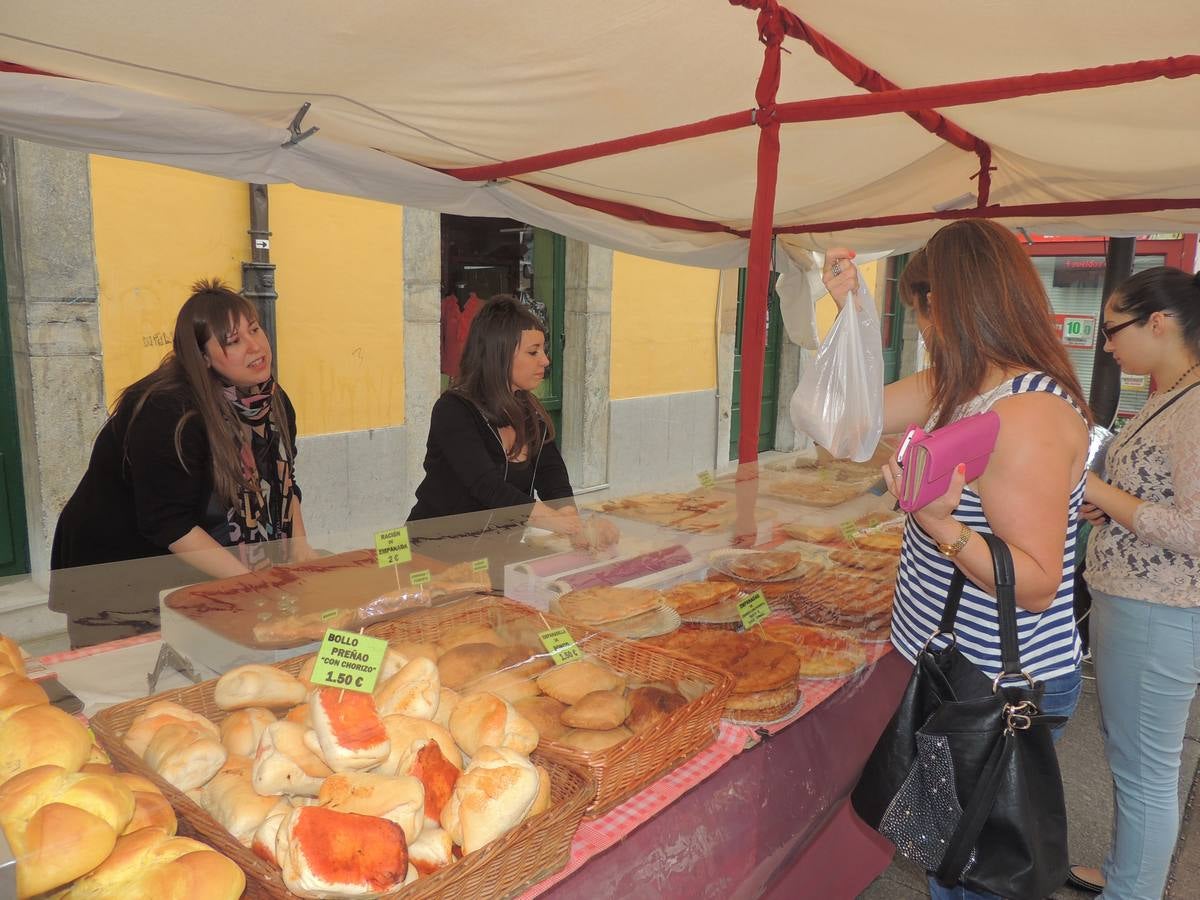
(530, 361)
(243, 358)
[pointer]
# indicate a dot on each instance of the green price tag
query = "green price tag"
(392, 547)
(706, 479)
(824, 475)
(560, 645)
(422, 577)
(849, 532)
(329, 614)
(753, 609)
(480, 565)
(349, 660)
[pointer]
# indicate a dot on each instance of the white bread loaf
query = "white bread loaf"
(150, 808)
(152, 865)
(241, 730)
(412, 691)
(162, 712)
(349, 729)
(265, 836)
(61, 824)
(258, 685)
(323, 853)
(431, 851)
(230, 798)
(185, 754)
(485, 720)
(393, 661)
(408, 735)
(447, 701)
(42, 735)
(284, 764)
(495, 794)
(397, 798)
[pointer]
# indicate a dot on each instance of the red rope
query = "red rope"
(631, 213)
(6, 66)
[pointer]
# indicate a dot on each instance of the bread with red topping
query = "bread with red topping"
(325, 853)
(349, 729)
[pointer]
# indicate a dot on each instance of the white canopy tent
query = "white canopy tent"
(1071, 117)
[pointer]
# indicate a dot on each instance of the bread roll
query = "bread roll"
(468, 633)
(397, 798)
(431, 851)
(599, 711)
(170, 708)
(17, 693)
(413, 691)
(447, 701)
(651, 704)
(495, 794)
(349, 729)
(545, 713)
(266, 836)
(541, 802)
(412, 649)
(569, 683)
(150, 808)
(97, 756)
(465, 663)
(152, 865)
(42, 735)
(301, 715)
(407, 735)
(258, 685)
(324, 853)
(510, 684)
(185, 754)
(11, 660)
(393, 661)
(230, 798)
(241, 730)
(594, 741)
(485, 720)
(162, 712)
(61, 824)
(284, 764)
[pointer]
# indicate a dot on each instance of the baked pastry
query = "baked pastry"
(61, 824)
(597, 711)
(762, 704)
(266, 836)
(511, 684)
(594, 741)
(447, 701)
(432, 850)
(866, 560)
(301, 715)
(241, 730)
(407, 735)
(412, 691)
(651, 704)
(309, 626)
(494, 794)
(230, 798)
(11, 659)
(150, 808)
(764, 565)
(324, 853)
(880, 541)
(413, 649)
(467, 633)
(464, 663)
(17, 692)
(285, 763)
(545, 714)
(155, 716)
(152, 865)
(599, 605)
(823, 653)
(348, 728)
(568, 683)
(397, 798)
(185, 754)
(258, 685)
(485, 720)
(437, 775)
(694, 595)
(42, 735)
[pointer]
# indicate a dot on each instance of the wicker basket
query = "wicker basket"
(622, 770)
(529, 853)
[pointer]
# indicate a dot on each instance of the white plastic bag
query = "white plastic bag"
(839, 400)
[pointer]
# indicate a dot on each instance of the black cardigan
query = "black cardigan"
(466, 467)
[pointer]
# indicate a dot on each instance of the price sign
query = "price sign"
(1076, 332)
(849, 531)
(329, 614)
(480, 565)
(753, 609)
(706, 479)
(422, 577)
(560, 645)
(349, 661)
(392, 547)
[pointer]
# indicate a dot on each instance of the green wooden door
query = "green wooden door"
(14, 541)
(893, 320)
(770, 391)
(550, 287)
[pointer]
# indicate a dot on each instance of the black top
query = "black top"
(466, 468)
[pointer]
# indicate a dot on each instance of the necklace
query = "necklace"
(1179, 380)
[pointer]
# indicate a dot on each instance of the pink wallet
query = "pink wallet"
(928, 459)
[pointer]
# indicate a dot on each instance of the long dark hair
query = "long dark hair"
(212, 309)
(988, 307)
(1163, 289)
(485, 372)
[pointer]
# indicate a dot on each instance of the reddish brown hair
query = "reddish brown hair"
(988, 306)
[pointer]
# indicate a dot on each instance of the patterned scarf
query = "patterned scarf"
(264, 510)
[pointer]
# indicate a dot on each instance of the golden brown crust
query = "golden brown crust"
(695, 595)
(544, 713)
(598, 711)
(649, 705)
(762, 565)
(461, 665)
(42, 735)
(823, 652)
(590, 741)
(600, 605)
(568, 683)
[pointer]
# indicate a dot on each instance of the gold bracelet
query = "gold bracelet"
(952, 550)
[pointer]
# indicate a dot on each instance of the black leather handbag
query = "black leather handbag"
(965, 778)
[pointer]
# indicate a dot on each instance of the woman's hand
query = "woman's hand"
(937, 518)
(1093, 514)
(596, 534)
(839, 274)
(301, 550)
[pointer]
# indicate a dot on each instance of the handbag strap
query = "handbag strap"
(962, 842)
(1006, 602)
(1162, 409)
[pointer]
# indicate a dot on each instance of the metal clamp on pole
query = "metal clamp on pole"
(296, 134)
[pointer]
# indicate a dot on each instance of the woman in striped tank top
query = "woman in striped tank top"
(985, 317)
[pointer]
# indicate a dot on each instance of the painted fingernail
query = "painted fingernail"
(962, 468)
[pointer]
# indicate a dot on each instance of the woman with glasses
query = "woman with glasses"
(1143, 569)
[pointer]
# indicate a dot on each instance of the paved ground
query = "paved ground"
(1089, 810)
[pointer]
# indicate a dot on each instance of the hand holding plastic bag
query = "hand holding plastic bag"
(839, 400)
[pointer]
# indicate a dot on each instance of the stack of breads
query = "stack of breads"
(779, 574)
(626, 611)
(75, 825)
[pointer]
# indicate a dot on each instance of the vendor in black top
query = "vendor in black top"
(197, 457)
(491, 443)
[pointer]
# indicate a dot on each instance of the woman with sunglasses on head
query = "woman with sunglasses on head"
(1143, 570)
(196, 458)
(985, 318)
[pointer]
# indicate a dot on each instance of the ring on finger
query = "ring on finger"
(836, 268)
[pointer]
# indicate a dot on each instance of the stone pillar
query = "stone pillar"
(727, 304)
(587, 357)
(49, 256)
(422, 337)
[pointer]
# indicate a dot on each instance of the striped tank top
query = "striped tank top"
(1048, 640)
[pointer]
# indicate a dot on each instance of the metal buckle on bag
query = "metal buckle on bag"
(939, 633)
(1019, 716)
(996, 681)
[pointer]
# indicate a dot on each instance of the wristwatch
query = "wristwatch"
(952, 550)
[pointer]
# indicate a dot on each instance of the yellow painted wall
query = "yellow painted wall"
(871, 275)
(340, 280)
(663, 327)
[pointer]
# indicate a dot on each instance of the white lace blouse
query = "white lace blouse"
(1159, 560)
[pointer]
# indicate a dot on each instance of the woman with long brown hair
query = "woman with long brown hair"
(197, 458)
(985, 317)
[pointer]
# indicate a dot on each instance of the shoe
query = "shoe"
(1076, 877)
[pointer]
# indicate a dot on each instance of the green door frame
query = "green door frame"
(892, 320)
(770, 389)
(14, 537)
(550, 287)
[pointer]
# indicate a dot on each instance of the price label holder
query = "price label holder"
(753, 609)
(419, 578)
(706, 479)
(849, 532)
(480, 565)
(392, 547)
(560, 645)
(349, 661)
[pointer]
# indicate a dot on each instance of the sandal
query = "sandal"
(1076, 879)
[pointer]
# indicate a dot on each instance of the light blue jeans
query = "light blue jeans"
(1147, 668)
(1060, 699)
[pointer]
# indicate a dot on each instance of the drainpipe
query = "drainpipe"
(1106, 374)
(258, 275)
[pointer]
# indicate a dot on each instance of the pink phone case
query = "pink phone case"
(929, 459)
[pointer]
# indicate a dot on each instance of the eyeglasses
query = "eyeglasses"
(1109, 330)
